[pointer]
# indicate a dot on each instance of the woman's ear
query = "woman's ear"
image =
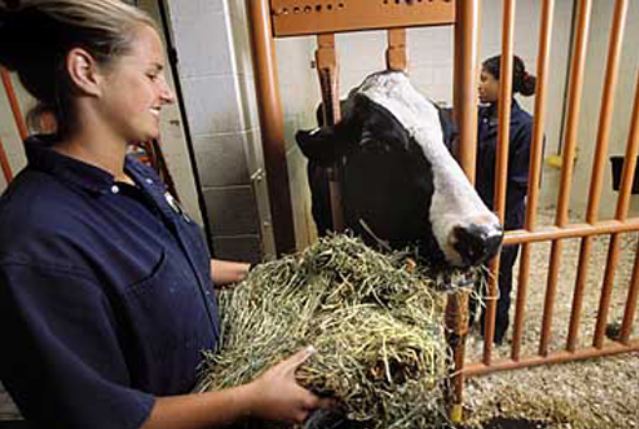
(84, 72)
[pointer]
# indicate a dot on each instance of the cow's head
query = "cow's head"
(399, 178)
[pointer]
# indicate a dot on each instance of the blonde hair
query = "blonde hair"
(36, 36)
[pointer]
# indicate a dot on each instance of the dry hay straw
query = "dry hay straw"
(377, 327)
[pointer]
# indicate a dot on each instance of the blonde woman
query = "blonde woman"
(106, 291)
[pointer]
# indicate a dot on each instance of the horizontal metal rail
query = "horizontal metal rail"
(614, 348)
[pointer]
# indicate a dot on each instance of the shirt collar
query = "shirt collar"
(40, 156)
(489, 110)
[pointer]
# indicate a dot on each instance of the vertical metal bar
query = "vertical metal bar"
(501, 162)
(631, 302)
(465, 104)
(14, 104)
(465, 88)
(4, 163)
(272, 125)
(599, 160)
(623, 202)
(396, 56)
(574, 99)
(536, 153)
(327, 70)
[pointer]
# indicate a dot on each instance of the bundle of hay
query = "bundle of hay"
(377, 328)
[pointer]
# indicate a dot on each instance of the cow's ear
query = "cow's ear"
(321, 145)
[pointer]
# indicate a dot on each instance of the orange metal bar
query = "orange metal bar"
(571, 231)
(556, 357)
(327, 70)
(465, 105)
(14, 104)
(536, 153)
(631, 302)
(623, 203)
(311, 17)
(272, 125)
(501, 163)
(396, 56)
(574, 99)
(465, 87)
(599, 160)
(4, 163)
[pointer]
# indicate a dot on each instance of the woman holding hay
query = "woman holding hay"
(106, 293)
(518, 164)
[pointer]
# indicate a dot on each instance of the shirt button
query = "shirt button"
(148, 181)
(115, 189)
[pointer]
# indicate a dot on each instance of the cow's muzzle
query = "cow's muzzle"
(477, 243)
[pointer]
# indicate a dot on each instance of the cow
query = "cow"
(400, 184)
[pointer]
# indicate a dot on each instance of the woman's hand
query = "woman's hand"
(225, 273)
(277, 396)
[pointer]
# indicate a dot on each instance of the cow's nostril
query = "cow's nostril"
(477, 243)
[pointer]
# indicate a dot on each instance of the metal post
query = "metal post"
(272, 125)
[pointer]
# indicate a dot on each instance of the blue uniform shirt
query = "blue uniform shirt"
(106, 298)
(518, 161)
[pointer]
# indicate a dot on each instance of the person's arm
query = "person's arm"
(228, 272)
(65, 367)
(273, 396)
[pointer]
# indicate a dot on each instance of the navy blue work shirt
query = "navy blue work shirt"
(518, 161)
(106, 298)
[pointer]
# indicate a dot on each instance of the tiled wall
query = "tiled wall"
(220, 107)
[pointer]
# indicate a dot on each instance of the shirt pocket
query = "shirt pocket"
(166, 309)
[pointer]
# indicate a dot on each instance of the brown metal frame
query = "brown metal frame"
(562, 228)
(355, 15)
(272, 125)
(19, 120)
(304, 17)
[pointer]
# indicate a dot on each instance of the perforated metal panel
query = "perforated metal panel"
(300, 17)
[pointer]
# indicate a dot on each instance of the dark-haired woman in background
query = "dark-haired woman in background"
(518, 164)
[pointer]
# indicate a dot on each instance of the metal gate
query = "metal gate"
(286, 18)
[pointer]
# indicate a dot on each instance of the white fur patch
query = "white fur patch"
(455, 203)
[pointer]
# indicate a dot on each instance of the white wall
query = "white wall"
(602, 13)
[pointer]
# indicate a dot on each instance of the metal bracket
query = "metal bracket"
(302, 17)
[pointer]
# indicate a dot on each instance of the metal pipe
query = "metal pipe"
(555, 357)
(631, 302)
(501, 163)
(571, 231)
(574, 99)
(327, 70)
(623, 202)
(465, 105)
(599, 162)
(272, 125)
(396, 55)
(536, 154)
(14, 104)
(4, 163)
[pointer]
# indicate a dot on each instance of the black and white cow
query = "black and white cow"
(399, 181)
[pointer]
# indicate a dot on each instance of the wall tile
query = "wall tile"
(222, 159)
(240, 248)
(232, 210)
(212, 105)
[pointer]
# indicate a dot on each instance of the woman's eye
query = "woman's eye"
(152, 76)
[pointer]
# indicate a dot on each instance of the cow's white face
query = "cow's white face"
(464, 229)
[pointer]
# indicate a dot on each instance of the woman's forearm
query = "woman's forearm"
(201, 410)
(227, 272)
